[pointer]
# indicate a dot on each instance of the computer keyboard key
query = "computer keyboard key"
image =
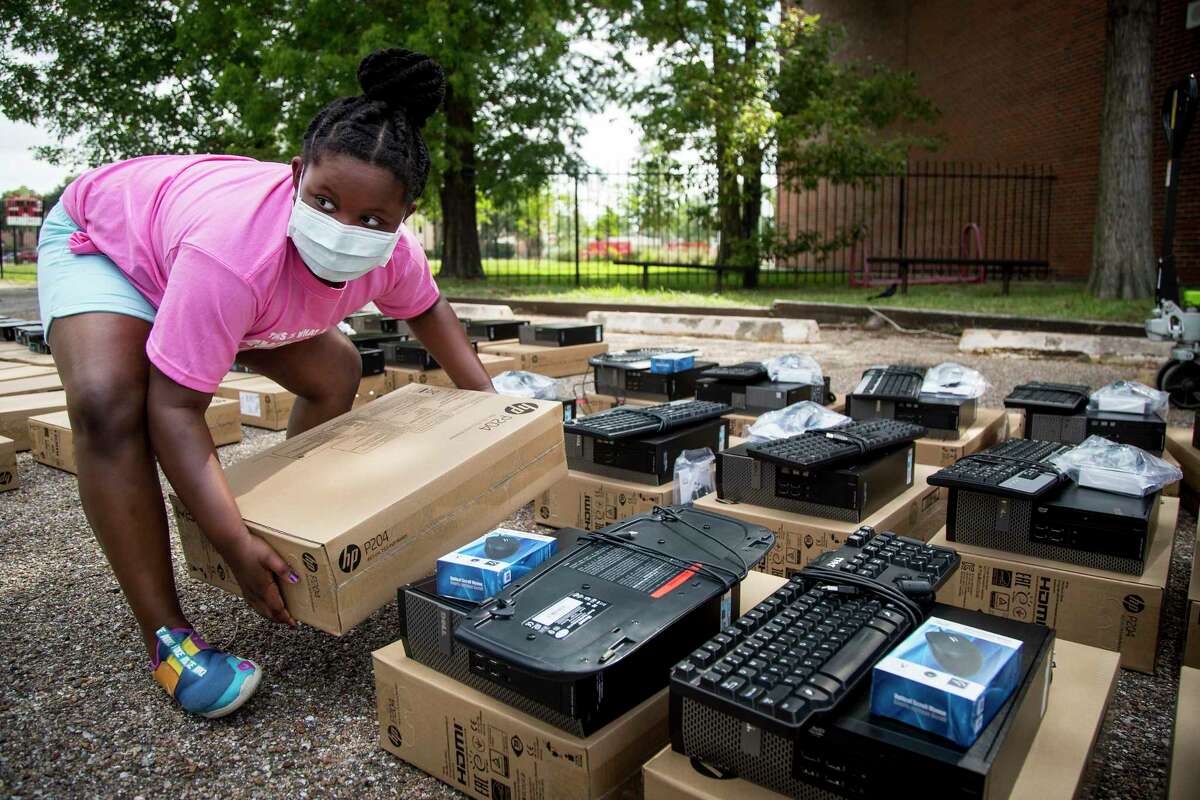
(813, 694)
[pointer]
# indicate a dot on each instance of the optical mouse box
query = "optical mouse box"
(947, 679)
(477, 571)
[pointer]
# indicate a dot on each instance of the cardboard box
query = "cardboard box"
(402, 376)
(1179, 445)
(366, 502)
(224, 421)
(8, 465)
(1191, 648)
(263, 402)
(1185, 766)
(49, 382)
(1083, 683)
(52, 443)
(595, 403)
(582, 500)
(15, 412)
(554, 362)
(489, 750)
(232, 376)
(1109, 610)
(739, 424)
(372, 387)
(22, 355)
(1171, 489)
(800, 538)
(16, 372)
(991, 427)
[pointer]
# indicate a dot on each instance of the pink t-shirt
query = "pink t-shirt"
(204, 238)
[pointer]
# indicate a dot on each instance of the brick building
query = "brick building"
(1022, 82)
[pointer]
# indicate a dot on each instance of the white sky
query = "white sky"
(610, 145)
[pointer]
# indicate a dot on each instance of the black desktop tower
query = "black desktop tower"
(847, 493)
(944, 416)
(648, 460)
(495, 330)
(560, 334)
(852, 753)
(1076, 524)
(642, 384)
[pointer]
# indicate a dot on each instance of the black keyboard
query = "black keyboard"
(746, 372)
(891, 383)
(826, 448)
(1055, 398)
(1013, 468)
(798, 653)
(626, 421)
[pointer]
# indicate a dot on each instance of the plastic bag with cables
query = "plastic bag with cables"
(515, 383)
(793, 421)
(695, 475)
(795, 368)
(1100, 463)
(955, 379)
(1128, 397)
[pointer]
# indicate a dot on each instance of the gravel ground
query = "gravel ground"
(79, 716)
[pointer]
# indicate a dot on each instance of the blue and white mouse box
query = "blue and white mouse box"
(480, 569)
(946, 678)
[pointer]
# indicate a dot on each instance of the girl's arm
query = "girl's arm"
(184, 447)
(443, 335)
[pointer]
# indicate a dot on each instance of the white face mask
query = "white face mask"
(337, 252)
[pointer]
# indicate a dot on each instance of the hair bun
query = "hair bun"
(404, 79)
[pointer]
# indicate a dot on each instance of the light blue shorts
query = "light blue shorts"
(69, 284)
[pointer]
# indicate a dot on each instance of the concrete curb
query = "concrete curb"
(836, 314)
(1104, 349)
(738, 328)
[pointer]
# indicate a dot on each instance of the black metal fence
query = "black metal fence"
(932, 223)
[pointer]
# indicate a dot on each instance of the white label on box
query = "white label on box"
(251, 403)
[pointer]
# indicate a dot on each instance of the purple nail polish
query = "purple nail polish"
(293, 577)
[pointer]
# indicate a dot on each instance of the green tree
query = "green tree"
(752, 84)
(245, 77)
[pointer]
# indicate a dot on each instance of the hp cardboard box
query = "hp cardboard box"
(555, 362)
(1095, 607)
(263, 402)
(52, 443)
(991, 427)
(491, 751)
(1191, 651)
(372, 387)
(8, 465)
(800, 538)
(49, 382)
(1179, 445)
(1185, 766)
(19, 372)
(15, 412)
(586, 501)
(402, 376)
(367, 502)
(1082, 685)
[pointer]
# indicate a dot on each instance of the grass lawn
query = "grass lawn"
(1062, 300)
(21, 273)
(609, 283)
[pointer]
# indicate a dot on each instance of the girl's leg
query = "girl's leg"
(323, 372)
(102, 360)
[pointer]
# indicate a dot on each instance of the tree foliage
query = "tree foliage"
(753, 85)
(132, 78)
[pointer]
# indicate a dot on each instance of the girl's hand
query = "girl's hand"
(257, 567)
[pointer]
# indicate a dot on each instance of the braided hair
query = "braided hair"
(401, 90)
